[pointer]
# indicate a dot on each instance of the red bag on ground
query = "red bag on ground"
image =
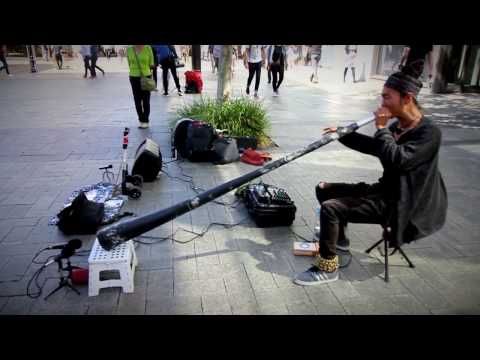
(195, 78)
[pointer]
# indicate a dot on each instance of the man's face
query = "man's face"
(392, 100)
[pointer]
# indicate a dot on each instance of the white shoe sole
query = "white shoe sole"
(309, 283)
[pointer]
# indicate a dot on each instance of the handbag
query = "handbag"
(146, 84)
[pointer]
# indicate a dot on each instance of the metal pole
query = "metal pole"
(116, 234)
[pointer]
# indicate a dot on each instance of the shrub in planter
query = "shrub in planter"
(241, 117)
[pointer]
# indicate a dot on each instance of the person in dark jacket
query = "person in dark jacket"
(3, 59)
(94, 59)
(409, 200)
(167, 56)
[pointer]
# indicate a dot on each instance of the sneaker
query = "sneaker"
(165, 93)
(143, 125)
(10, 75)
(247, 91)
(255, 94)
(275, 93)
(180, 93)
(315, 276)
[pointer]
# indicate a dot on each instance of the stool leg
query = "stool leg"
(386, 260)
(126, 274)
(93, 279)
(406, 258)
(373, 246)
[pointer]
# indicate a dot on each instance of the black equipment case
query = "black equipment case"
(269, 205)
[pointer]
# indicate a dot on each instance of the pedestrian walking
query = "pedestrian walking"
(140, 62)
(316, 51)
(414, 58)
(254, 60)
(155, 66)
(86, 55)
(276, 62)
(3, 59)
(216, 52)
(94, 59)
(167, 57)
(351, 52)
(57, 50)
(289, 57)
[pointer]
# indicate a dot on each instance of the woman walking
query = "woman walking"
(140, 63)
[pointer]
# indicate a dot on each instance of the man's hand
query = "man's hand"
(382, 115)
(329, 130)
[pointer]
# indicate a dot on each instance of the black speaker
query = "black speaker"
(148, 160)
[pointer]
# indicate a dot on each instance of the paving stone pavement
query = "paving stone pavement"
(57, 129)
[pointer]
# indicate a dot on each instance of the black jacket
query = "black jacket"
(411, 182)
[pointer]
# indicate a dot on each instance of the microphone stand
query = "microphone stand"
(64, 281)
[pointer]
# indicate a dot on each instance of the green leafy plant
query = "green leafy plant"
(241, 117)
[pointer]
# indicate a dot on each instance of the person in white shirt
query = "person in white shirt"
(316, 57)
(351, 52)
(254, 60)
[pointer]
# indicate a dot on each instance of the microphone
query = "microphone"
(67, 250)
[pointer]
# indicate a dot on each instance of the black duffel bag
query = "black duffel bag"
(224, 151)
(81, 217)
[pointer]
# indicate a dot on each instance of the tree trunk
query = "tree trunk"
(224, 85)
(441, 63)
(196, 58)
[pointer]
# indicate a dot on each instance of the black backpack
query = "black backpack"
(81, 217)
(225, 151)
(198, 144)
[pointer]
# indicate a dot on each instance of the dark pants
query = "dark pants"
(342, 203)
(277, 73)
(86, 63)
(345, 74)
(254, 68)
(141, 98)
(59, 59)
(94, 65)
(154, 73)
(169, 64)
(5, 65)
(269, 73)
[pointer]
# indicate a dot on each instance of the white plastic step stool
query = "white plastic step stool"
(122, 259)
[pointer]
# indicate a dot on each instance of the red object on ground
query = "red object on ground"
(195, 77)
(252, 157)
(80, 276)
